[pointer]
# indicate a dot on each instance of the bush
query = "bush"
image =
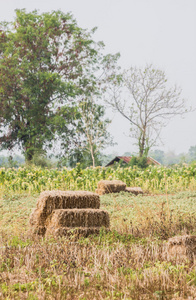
(140, 162)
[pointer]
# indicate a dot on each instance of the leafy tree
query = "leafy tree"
(141, 162)
(46, 60)
(106, 158)
(158, 155)
(170, 158)
(94, 127)
(192, 153)
(92, 132)
(11, 161)
(83, 156)
(143, 97)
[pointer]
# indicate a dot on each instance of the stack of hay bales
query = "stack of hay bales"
(59, 212)
(110, 186)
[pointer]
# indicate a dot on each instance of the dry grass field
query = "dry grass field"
(125, 263)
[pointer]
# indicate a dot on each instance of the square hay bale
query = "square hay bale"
(77, 222)
(51, 200)
(181, 248)
(134, 190)
(110, 186)
(79, 218)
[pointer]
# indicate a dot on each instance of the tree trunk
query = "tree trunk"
(29, 156)
(92, 155)
(93, 161)
(142, 142)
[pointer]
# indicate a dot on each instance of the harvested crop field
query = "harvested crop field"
(126, 262)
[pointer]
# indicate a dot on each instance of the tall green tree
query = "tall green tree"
(46, 60)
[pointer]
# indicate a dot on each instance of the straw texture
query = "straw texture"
(61, 212)
(79, 217)
(181, 248)
(110, 186)
(51, 200)
(134, 190)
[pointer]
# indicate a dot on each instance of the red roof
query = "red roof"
(127, 159)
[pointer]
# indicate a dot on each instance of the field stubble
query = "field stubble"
(125, 263)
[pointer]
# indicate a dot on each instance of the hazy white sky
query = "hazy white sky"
(161, 32)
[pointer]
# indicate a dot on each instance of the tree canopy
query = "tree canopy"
(46, 60)
(93, 128)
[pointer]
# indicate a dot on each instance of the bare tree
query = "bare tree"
(143, 97)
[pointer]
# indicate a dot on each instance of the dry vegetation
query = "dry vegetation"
(125, 263)
(110, 186)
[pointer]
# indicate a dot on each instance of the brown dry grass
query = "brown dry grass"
(72, 232)
(92, 269)
(125, 263)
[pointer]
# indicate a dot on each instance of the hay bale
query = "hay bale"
(110, 186)
(134, 190)
(100, 191)
(77, 221)
(79, 218)
(51, 200)
(181, 248)
(38, 230)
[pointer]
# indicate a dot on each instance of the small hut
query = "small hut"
(126, 159)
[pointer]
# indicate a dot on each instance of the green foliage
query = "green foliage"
(41, 160)
(11, 161)
(192, 153)
(92, 134)
(83, 156)
(153, 179)
(46, 61)
(16, 241)
(133, 161)
(78, 170)
(158, 155)
(170, 158)
(141, 162)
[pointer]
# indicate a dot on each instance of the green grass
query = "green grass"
(125, 263)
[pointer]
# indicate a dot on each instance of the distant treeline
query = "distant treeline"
(165, 158)
(170, 158)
